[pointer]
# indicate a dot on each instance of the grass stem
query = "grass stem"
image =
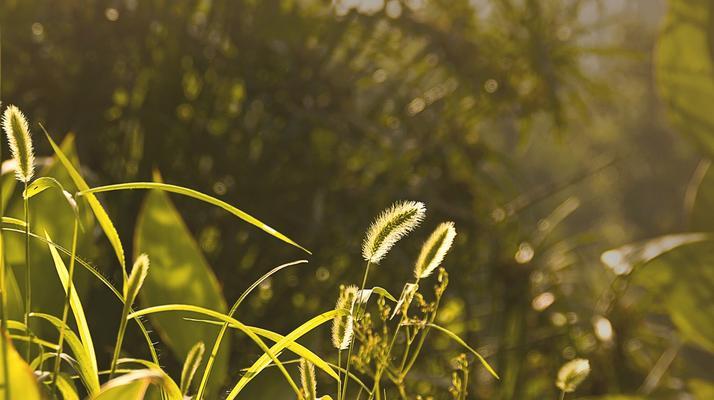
(65, 311)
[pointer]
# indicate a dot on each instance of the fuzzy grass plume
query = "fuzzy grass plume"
(343, 324)
(434, 250)
(15, 126)
(572, 374)
(390, 226)
(308, 379)
(136, 278)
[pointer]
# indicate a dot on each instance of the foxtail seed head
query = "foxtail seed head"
(391, 225)
(136, 278)
(15, 126)
(308, 380)
(343, 324)
(434, 249)
(572, 374)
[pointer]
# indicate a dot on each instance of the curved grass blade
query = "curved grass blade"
(168, 386)
(132, 386)
(231, 313)
(76, 307)
(180, 273)
(104, 280)
(102, 217)
(337, 367)
(264, 361)
(196, 195)
(269, 354)
(460, 341)
(86, 371)
(295, 347)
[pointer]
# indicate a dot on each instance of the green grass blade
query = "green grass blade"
(169, 386)
(20, 377)
(264, 361)
(196, 195)
(295, 347)
(76, 306)
(460, 341)
(39, 185)
(66, 389)
(89, 375)
(101, 278)
(102, 217)
(13, 221)
(269, 353)
(231, 313)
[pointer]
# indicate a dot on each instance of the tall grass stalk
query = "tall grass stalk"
(3, 288)
(352, 341)
(65, 311)
(28, 284)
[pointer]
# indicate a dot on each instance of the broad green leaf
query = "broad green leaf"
(179, 273)
(460, 341)
(132, 386)
(264, 360)
(221, 317)
(22, 383)
(49, 212)
(685, 72)
(682, 280)
(89, 376)
(199, 196)
(102, 217)
(168, 385)
(77, 311)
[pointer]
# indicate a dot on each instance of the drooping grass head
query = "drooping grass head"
(434, 250)
(390, 226)
(17, 131)
(572, 374)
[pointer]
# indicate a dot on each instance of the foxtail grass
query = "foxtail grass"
(131, 290)
(19, 140)
(571, 375)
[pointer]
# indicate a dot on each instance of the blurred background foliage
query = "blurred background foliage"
(548, 131)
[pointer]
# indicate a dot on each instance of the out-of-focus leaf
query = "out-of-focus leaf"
(701, 389)
(685, 72)
(49, 213)
(23, 384)
(179, 273)
(683, 279)
(624, 259)
(168, 385)
(66, 388)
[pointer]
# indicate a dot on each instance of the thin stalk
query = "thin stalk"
(385, 363)
(120, 338)
(65, 312)
(352, 342)
(422, 338)
(339, 377)
(562, 395)
(3, 294)
(28, 286)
